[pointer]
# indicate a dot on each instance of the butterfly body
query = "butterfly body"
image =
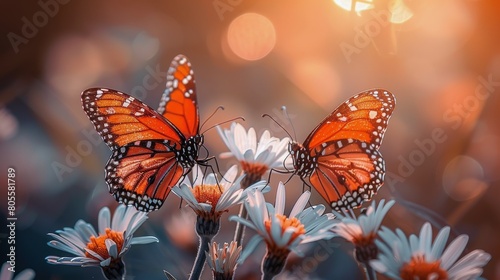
(304, 163)
(152, 150)
(340, 157)
(188, 153)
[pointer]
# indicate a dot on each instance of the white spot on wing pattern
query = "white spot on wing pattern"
(89, 98)
(173, 83)
(115, 182)
(379, 121)
(365, 190)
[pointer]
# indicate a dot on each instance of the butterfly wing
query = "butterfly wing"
(346, 167)
(348, 172)
(142, 173)
(121, 119)
(178, 103)
(363, 117)
(143, 166)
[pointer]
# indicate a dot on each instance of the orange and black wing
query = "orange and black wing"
(142, 173)
(363, 117)
(348, 167)
(348, 173)
(143, 166)
(178, 103)
(121, 119)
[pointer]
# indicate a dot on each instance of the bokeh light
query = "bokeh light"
(9, 124)
(72, 63)
(400, 12)
(251, 36)
(463, 178)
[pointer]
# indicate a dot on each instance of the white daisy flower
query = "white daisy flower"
(6, 274)
(223, 260)
(103, 249)
(362, 230)
(209, 197)
(255, 158)
(420, 258)
(282, 234)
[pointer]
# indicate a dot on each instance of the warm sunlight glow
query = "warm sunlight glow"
(317, 79)
(359, 5)
(251, 36)
(400, 12)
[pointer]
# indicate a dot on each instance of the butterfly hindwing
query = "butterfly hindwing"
(179, 103)
(348, 173)
(142, 173)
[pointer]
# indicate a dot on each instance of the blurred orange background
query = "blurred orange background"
(441, 59)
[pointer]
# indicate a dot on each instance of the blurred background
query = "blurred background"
(441, 59)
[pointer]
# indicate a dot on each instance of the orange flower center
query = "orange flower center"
(366, 249)
(209, 194)
(98, 244)
(287, 223)
(253, 172)
(364, 240)
(418, 268)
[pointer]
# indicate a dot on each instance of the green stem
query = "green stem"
(248, 180)
(240, 229)
(370, 273)
(273, 263)
(268, 276)
(115, 270)
(200, 258)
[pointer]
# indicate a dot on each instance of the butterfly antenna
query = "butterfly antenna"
(286, 131)
(285, 112)
(211, 115)
(230, 120)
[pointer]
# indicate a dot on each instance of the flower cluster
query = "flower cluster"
(104, 249)
(283, 234)
(210, 198)
(376, 248)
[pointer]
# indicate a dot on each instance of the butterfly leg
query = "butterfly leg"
(205, 163)
(304, 186)
(280, 172)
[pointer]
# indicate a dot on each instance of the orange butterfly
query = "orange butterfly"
(152, 150)
(340, 157)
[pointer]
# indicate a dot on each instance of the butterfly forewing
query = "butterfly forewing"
(121, 119)
(363, 117)
(179, 99)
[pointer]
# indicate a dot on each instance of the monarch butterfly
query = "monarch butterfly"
(340, 157)
(151, 150)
